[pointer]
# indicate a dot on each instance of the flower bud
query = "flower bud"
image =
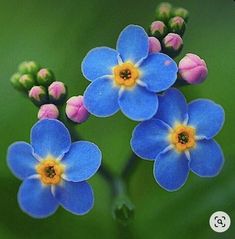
(172, 44)
(27, 81)
(75, 109)
(45, 77)
(177, 25)
(123, 209)
(158, 29)
(164, 12)
(154, 45)
(57, 92)
(193, 69)
(15, 81)
(48, 111)
(38, 95)
(28, 67)
(181, 12)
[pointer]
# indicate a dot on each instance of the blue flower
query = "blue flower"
(127, 78)
(54, 170)
(179, 139)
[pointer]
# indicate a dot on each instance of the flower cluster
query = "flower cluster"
(139, 78)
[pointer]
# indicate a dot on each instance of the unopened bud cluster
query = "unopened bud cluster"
(42, 88)
(168, 29)
(39, 84)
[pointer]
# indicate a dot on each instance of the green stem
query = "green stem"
(123, 209)
(106, 174)
(130, 167)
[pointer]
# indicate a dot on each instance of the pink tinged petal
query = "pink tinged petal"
(193, 69)
(173, 40)
(48, 111)
(35, 92)
(56, 89)
(154, 45)
(75, 109)
(157, 26)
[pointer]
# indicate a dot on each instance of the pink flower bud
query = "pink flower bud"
(48, 111)
(57, 92)
(193, 69)
(154, 45)
(158, 29)
(173, 41)
(177, 25)
(38, 95)
(75, 109)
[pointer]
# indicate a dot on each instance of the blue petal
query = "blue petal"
(101, 97)
(206, 116)
(172, 107)
(82, 161)
(77, 197)
(36, 199)
(206, 159)
(99, 62)
(158, 72)
(149, 138)
(138, 103)
(133, 44)
(171, 170)
(20, 160)
(50, 136)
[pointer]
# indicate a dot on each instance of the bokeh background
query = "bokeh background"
(58, 34)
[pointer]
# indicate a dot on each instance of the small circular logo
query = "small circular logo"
(220, 221)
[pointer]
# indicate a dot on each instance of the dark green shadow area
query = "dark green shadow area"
(58, 34)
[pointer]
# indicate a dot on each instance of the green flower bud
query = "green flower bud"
(28, 67)
(38, 95)
(177, 25)
(164, 12)
(27, 81)
(123, 209)
(181, 12)
(15, 81)
(45, 77)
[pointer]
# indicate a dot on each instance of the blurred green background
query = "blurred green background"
(58, 34)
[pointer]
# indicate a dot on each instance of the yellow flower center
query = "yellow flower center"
(50, 170)
(183, 137)
(126, 74)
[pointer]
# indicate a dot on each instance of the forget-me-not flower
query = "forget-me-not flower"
(54, 170)
(127, 78)
(180, 138)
